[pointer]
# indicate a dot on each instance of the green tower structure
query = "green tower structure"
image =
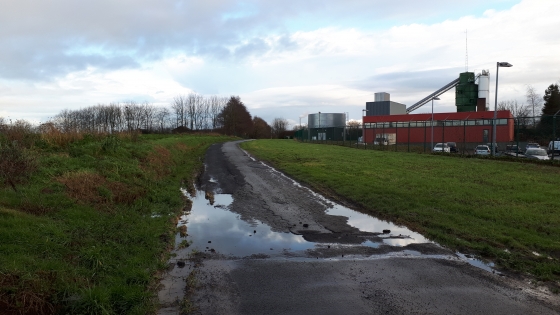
(466, 93)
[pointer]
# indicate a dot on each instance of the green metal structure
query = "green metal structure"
(466, 93)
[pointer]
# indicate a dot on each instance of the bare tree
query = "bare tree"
(279, 127)
(519, 111)
(178, 107)
(162, 117)
(534, 100)
(354, 129)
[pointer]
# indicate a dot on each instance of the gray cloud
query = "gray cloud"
(36, 36)
(408, 81)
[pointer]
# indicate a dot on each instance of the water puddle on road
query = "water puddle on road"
(368, 223)
(398, 235)
(215, 228)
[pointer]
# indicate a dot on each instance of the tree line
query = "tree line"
(186, 113)
(535, 117)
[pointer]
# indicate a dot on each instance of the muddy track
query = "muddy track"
(344, 269)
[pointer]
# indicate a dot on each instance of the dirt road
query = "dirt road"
(263, 244)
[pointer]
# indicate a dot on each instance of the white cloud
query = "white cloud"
(63, 54)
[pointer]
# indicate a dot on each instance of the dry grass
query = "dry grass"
(157, 163)
(51, 135)
(94, 189)
(20, 132)
(34, 208)
(16, 164)
(26, 296)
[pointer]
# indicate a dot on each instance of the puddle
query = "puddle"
(488, 266)
(368, 223)
(399, 235)
(215, 227)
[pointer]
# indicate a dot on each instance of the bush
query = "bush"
(16, 164)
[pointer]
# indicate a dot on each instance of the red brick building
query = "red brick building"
(462, 127)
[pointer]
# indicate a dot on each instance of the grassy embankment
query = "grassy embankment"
(509, 212)
(89, 230)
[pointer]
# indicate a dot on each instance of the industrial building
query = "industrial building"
(326, 126)
(392, 122)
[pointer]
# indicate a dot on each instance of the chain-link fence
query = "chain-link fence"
(512, 135)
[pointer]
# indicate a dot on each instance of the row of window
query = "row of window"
(451, 123)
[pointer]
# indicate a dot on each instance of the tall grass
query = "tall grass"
(87, 232)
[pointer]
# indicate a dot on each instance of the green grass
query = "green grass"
(89, 231)
(496, 209)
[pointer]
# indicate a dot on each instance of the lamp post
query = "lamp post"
(433, 99)
(498, 65)
(364, 111)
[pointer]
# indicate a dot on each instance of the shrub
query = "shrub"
(16, 164)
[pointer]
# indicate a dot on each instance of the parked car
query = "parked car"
(512, 148)
(534, 153)
(495, 146)
(532, 145)
(441, 147)
(453, 147)
(482, 150)
(383, 141)
(554, 147)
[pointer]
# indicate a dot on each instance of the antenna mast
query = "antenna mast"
(466, 52)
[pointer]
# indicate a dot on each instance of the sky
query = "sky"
(284, 58)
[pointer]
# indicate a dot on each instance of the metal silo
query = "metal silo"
(466, 93)
(484, 86)
(326, 126)
(326, 120)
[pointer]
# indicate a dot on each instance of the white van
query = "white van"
(553, 147)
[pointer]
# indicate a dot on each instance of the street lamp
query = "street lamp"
(434, 99)
(498, 65)
(364, 111)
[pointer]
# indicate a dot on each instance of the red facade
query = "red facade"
(471, 127)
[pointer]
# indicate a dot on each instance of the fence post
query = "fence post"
(408, 136)
(442, 135)
(464, 136)
(516, 137)
(424, 136)
(396, 136)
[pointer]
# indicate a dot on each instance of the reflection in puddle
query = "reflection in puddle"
(214, 227)
(478, 263)
(368, 223)
(362, 221)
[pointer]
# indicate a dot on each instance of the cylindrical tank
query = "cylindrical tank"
(326, 120)
(382, 97)
(484, 86)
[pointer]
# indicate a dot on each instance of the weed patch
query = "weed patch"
(16, 164)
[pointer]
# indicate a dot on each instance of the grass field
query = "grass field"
(508, 212)
(88, 232)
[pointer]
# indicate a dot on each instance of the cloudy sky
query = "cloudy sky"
(284, 58)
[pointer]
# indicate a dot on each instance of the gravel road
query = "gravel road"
(347, 270)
